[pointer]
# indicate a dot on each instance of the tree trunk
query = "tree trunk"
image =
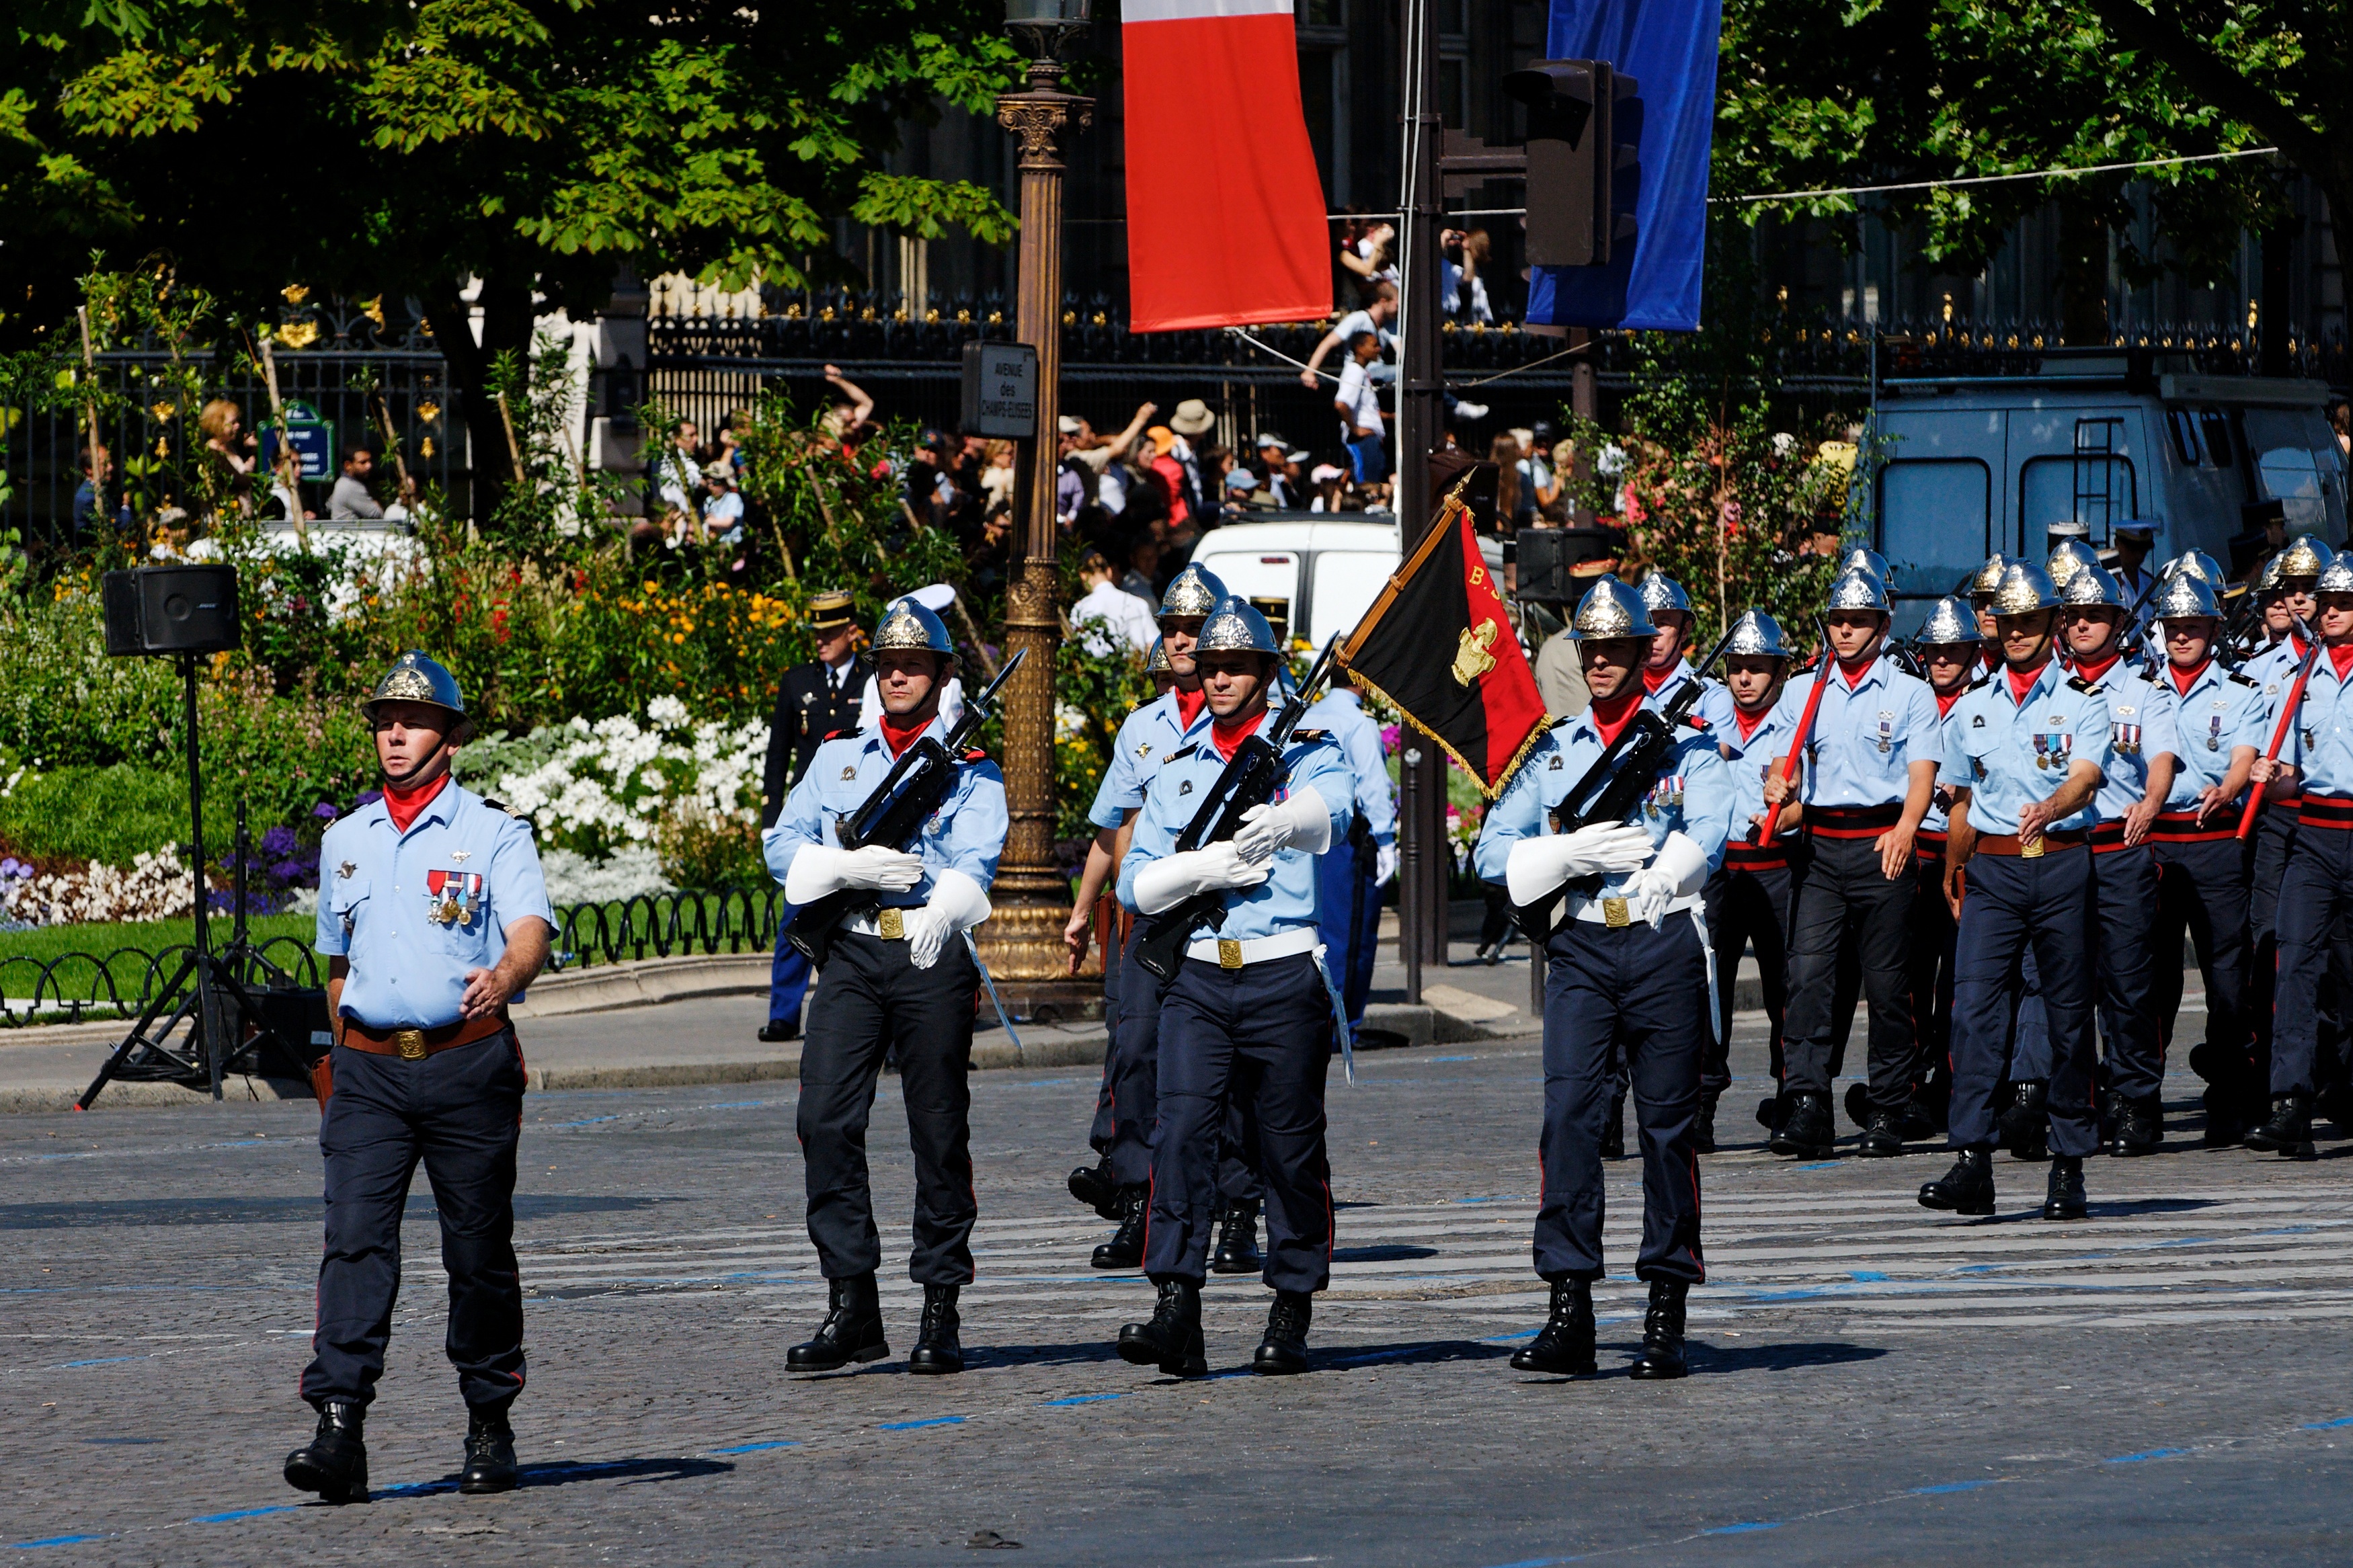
(507, 319)
(2082, 275)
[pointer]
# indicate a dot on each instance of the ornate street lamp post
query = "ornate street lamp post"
(1023, 941)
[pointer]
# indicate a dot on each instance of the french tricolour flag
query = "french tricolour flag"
(1225, 210)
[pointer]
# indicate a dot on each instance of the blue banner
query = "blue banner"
(1670, 49)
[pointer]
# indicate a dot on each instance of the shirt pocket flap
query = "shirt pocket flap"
(345, 894)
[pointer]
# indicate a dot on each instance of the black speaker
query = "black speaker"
(1544, 557)
(169, 609)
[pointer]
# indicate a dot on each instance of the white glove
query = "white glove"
(956, 905)
(1302, 822)
(1680, 870)
(819, 870)
(1385, 864)
(1165, 884)
(1539, 865)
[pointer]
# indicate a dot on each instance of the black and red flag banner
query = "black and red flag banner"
(1437, 646)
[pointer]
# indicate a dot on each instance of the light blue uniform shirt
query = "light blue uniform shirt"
(1937, 819)
(965, 834)
(1714, 706)
(1342, 715)
(1865, 738)
(1693, 797)
(1991, 743)
(2274, 666)
(1286, 901)
(2220, 712)
(1751, 761)
(414, 911)
(2320, 743)
(2140, 726)
(1145, 738)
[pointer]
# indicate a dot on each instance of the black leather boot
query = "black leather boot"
(2064, 1198)
(1563, 1346)
(1808, 1133)
(1858, 1104)
(1126, 1247)
(1662, 1333)
(2225, 1128)
(1967, 1188)
(489, 1453)
(1172, 1340)
(852, 1329)
(2140, 1127)
(1613, 1132)
(2025, 1122)
(335, 1462)
(1703, 1128)
(1283, 1351)
(2288, 1132)
(1237, 1250)
(1883, 1133)
(938, 1351)
(1094, 1187)
(1773, 1112)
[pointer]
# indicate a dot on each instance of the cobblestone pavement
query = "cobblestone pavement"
(2166, 1384)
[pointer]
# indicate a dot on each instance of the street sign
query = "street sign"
(312, 438)
(1000, 390)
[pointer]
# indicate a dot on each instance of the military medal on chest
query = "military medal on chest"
(1886, 731)
(451, 897)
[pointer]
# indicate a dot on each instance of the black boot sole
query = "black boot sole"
(1795, 1151)
(303, 1476)
(1272, 1359)
(1095, 1193)
(1558, 1366)
(1649, 1370)
(2065, 1212)
(486, 1485)
(1873, 1148)
(1143, 1351)
(926, 1364)
(1105, 1258)
(796, 1361)
(1975, 1208)
(1237, 1265)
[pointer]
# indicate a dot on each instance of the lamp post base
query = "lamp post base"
(1022, 945)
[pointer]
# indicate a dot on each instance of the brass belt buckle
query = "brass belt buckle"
(1613, 913)
(1230, 953)
(410, 1044)
(890, 925)
(2031, 848)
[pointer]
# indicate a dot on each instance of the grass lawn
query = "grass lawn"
(122, 950)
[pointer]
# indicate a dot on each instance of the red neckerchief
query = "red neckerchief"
(899, 740)
(1227, 737)
(1944, 699)
(1654, 679)
(404, 804)
(1188, 706)
(1853, 674)
(1749, 726)
(2183, 680)
(2341, 655)
(2021, 685)
(1612, 716)
(2090, 674)
(2296, 643)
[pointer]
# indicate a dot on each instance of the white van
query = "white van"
(1327, 572)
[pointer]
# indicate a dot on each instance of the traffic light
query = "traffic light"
(1584, 132)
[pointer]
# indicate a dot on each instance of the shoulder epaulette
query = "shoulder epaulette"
(2077, 683)
(2246, 680)
(850, 734)
(1980, 683)
(1310, 735)
(495, 804)
(1181, 753)
(975, 754)
(1695, 722)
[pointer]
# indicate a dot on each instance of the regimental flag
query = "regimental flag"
(1225, 209)
(1437, 646)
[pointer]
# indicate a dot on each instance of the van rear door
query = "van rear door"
(1939, 500)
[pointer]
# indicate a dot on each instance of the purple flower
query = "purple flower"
(1388, 737)
(278, 843)
(325, 810)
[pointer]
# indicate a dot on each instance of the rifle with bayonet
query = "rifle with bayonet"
(1250, 779)
(1616, 783)
(893, 816)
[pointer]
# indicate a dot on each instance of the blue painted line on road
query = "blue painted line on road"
(1539, 1561)
(912, 1426)
(1499, 1198)
(52, 1540)
(246, 1513)
(1821, 1165)
(758, 1448)
(1450, 1058)
(589, 1122)
(1511, 1339)
(102, 1361)
(2328, 1425)
(1868, 1276)
(739, 1105)
(1368, 1357)
(2147, 1455)
(1950, 1487)
(1747, 1527)
(1080, 1399)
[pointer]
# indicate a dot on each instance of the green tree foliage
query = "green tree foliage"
(396, 151)
(1818, 94)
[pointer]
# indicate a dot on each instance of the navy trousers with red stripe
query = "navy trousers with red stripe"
(2015, 907)
(1260, 1038)
(2315, 902)
(1647, 991)
(1748, 905)
(2202, 889)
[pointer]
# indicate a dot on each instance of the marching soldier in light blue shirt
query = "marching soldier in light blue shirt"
(434, 916)
(901, 973)
(1627, 967)
(1666, 667)
(2132, 787)
(2024, 753)
(1249, 1012)
(1355, 869)
(2315, 893)
(1868, 777)
(2202, 887)
(1951, 650)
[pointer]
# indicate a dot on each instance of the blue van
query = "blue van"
(1966, 465)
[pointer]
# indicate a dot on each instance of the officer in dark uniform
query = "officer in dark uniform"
(813, 700)
(2201, 884)
(2024, 753)
(1627, 970)
(1867, 779)
(903, 975)
(1250, 1014)
(434, 916)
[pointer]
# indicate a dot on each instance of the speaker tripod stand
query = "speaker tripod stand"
(229, 1027)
